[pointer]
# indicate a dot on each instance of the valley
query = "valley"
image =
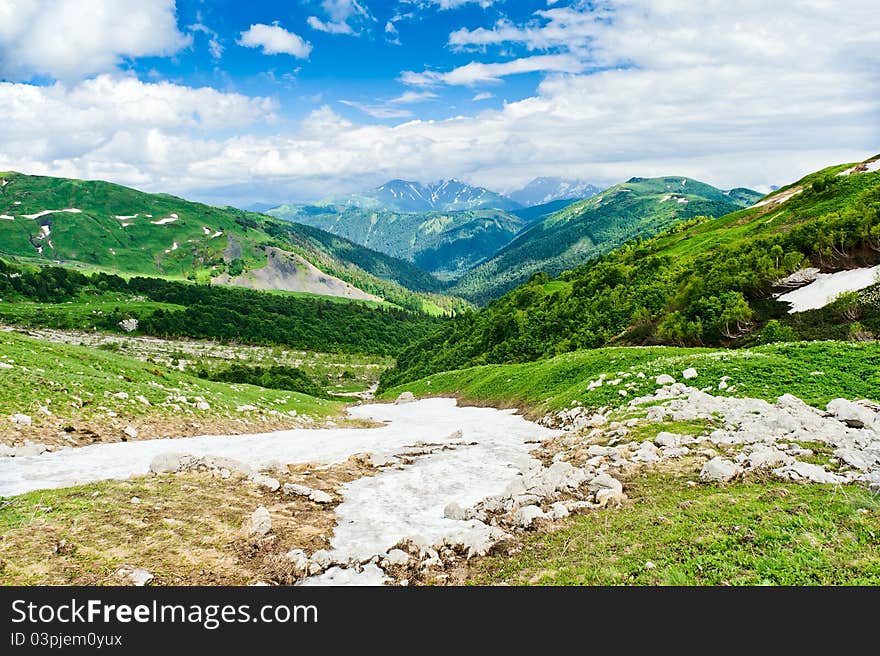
(657, 383)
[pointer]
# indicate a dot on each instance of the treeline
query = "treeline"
(223, 313)
(650, 292)
(282, 377)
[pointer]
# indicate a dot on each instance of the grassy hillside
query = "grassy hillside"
(445, 243)
(114, 228)
(813, 371)
(708, 281)
(591, 227)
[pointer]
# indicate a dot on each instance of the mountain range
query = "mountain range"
(547, 189)
(409, 196)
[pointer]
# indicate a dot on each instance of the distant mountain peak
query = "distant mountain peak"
(443, 195)
(546, 189)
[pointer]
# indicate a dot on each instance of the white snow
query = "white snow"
(869, 167)
(681, 200)
(174, 247)
(827, 286)
(125, 217)
(71, 210)
(7, 217)
(45, 231)
(665, 198)
(18, 202)
(4, 182)
(372, 575)
(167, 219)
(206, 230)
(219, 233)
(125, 225)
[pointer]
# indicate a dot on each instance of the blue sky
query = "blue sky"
(240, 102)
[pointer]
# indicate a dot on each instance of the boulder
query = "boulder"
(800, 471)
(272, 484)
(322, 558)
(559, 510)
(527, 515)
(203, 405)
(319, 496)
(664, 379)
(854, 458)
(21, 420)
(131, 432)
(689, 373)
(405, 397)
(852, 414)
(259, 523)
(719, 470)
(665, 438)
(605, 482)
(764, 455)
(167, 463)
(134, 575)
(299, 490)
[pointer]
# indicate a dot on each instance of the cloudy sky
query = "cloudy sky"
(270, 100)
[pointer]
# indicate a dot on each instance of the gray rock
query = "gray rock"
(272, 484)
(203, 405)
(605, 482)
(21, 420)
(764, 455)
(664, 379)
(527, 515)
(719, 470)
(405, 397)
(689, 374)
(131, 431)
(665, 438)
(299, 490)
(259, 522)
(559, 510)
(854, 458)
(319, 496)
(135, 575)
(800, 471)
(852, 414)
(454, 511)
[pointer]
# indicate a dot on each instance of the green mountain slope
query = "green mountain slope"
(111, 227)
(445, 243)
(591, 227)
(706, 282)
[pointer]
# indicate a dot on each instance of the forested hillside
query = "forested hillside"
(58, 297)
(444, 243)
(705, 282)
(592, 227)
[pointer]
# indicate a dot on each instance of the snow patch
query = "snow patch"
(7, 217)
(174, 247)
(168, 219)
(778, 199)
(825, 288)
(71, 210)
(124, 217)
(219, 233)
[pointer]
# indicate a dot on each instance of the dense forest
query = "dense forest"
(211, 312)
(706, 282)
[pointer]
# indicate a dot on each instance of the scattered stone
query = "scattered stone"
(203, 405)
(719, 470)
(135, 500)
(299, 490)
(800, 471)
(21, 420)
(259, 523)
(131, 431)
(852, 414)
(605, 482)
(665, 438)
(122, 396)
(527, 515)
(405, 397)
(559, 510)
(689, 373)
(650, 565)
(272, 484)
(319, 496)
(134, 575)
(664, 379)
(142, 399)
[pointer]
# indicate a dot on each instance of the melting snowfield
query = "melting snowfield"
(827, 286)
(406, 498)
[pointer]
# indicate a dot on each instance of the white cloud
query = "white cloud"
(477, 72)
(275, 40)
(485, 95)
(751, 95)
(68, 39)
(344, 17)
(379, 110)
(452, 4)
(412, 97)
(215, 47)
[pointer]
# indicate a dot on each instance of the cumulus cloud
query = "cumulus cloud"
(749, 95)
(68, 39)
(343, 17)
(215, 47)
(478, 72)
(275, 40)
(452, 4)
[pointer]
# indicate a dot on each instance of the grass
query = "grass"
(743, 534)
(77, 382)
(813, 371)
(77, 314)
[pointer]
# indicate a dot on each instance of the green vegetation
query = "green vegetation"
(705, 282)
(813, 371)
(281, 377)
(586, 229)
(177, 309)
(445, 243)
(76, 383)
(162, 235)
(742, 534)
